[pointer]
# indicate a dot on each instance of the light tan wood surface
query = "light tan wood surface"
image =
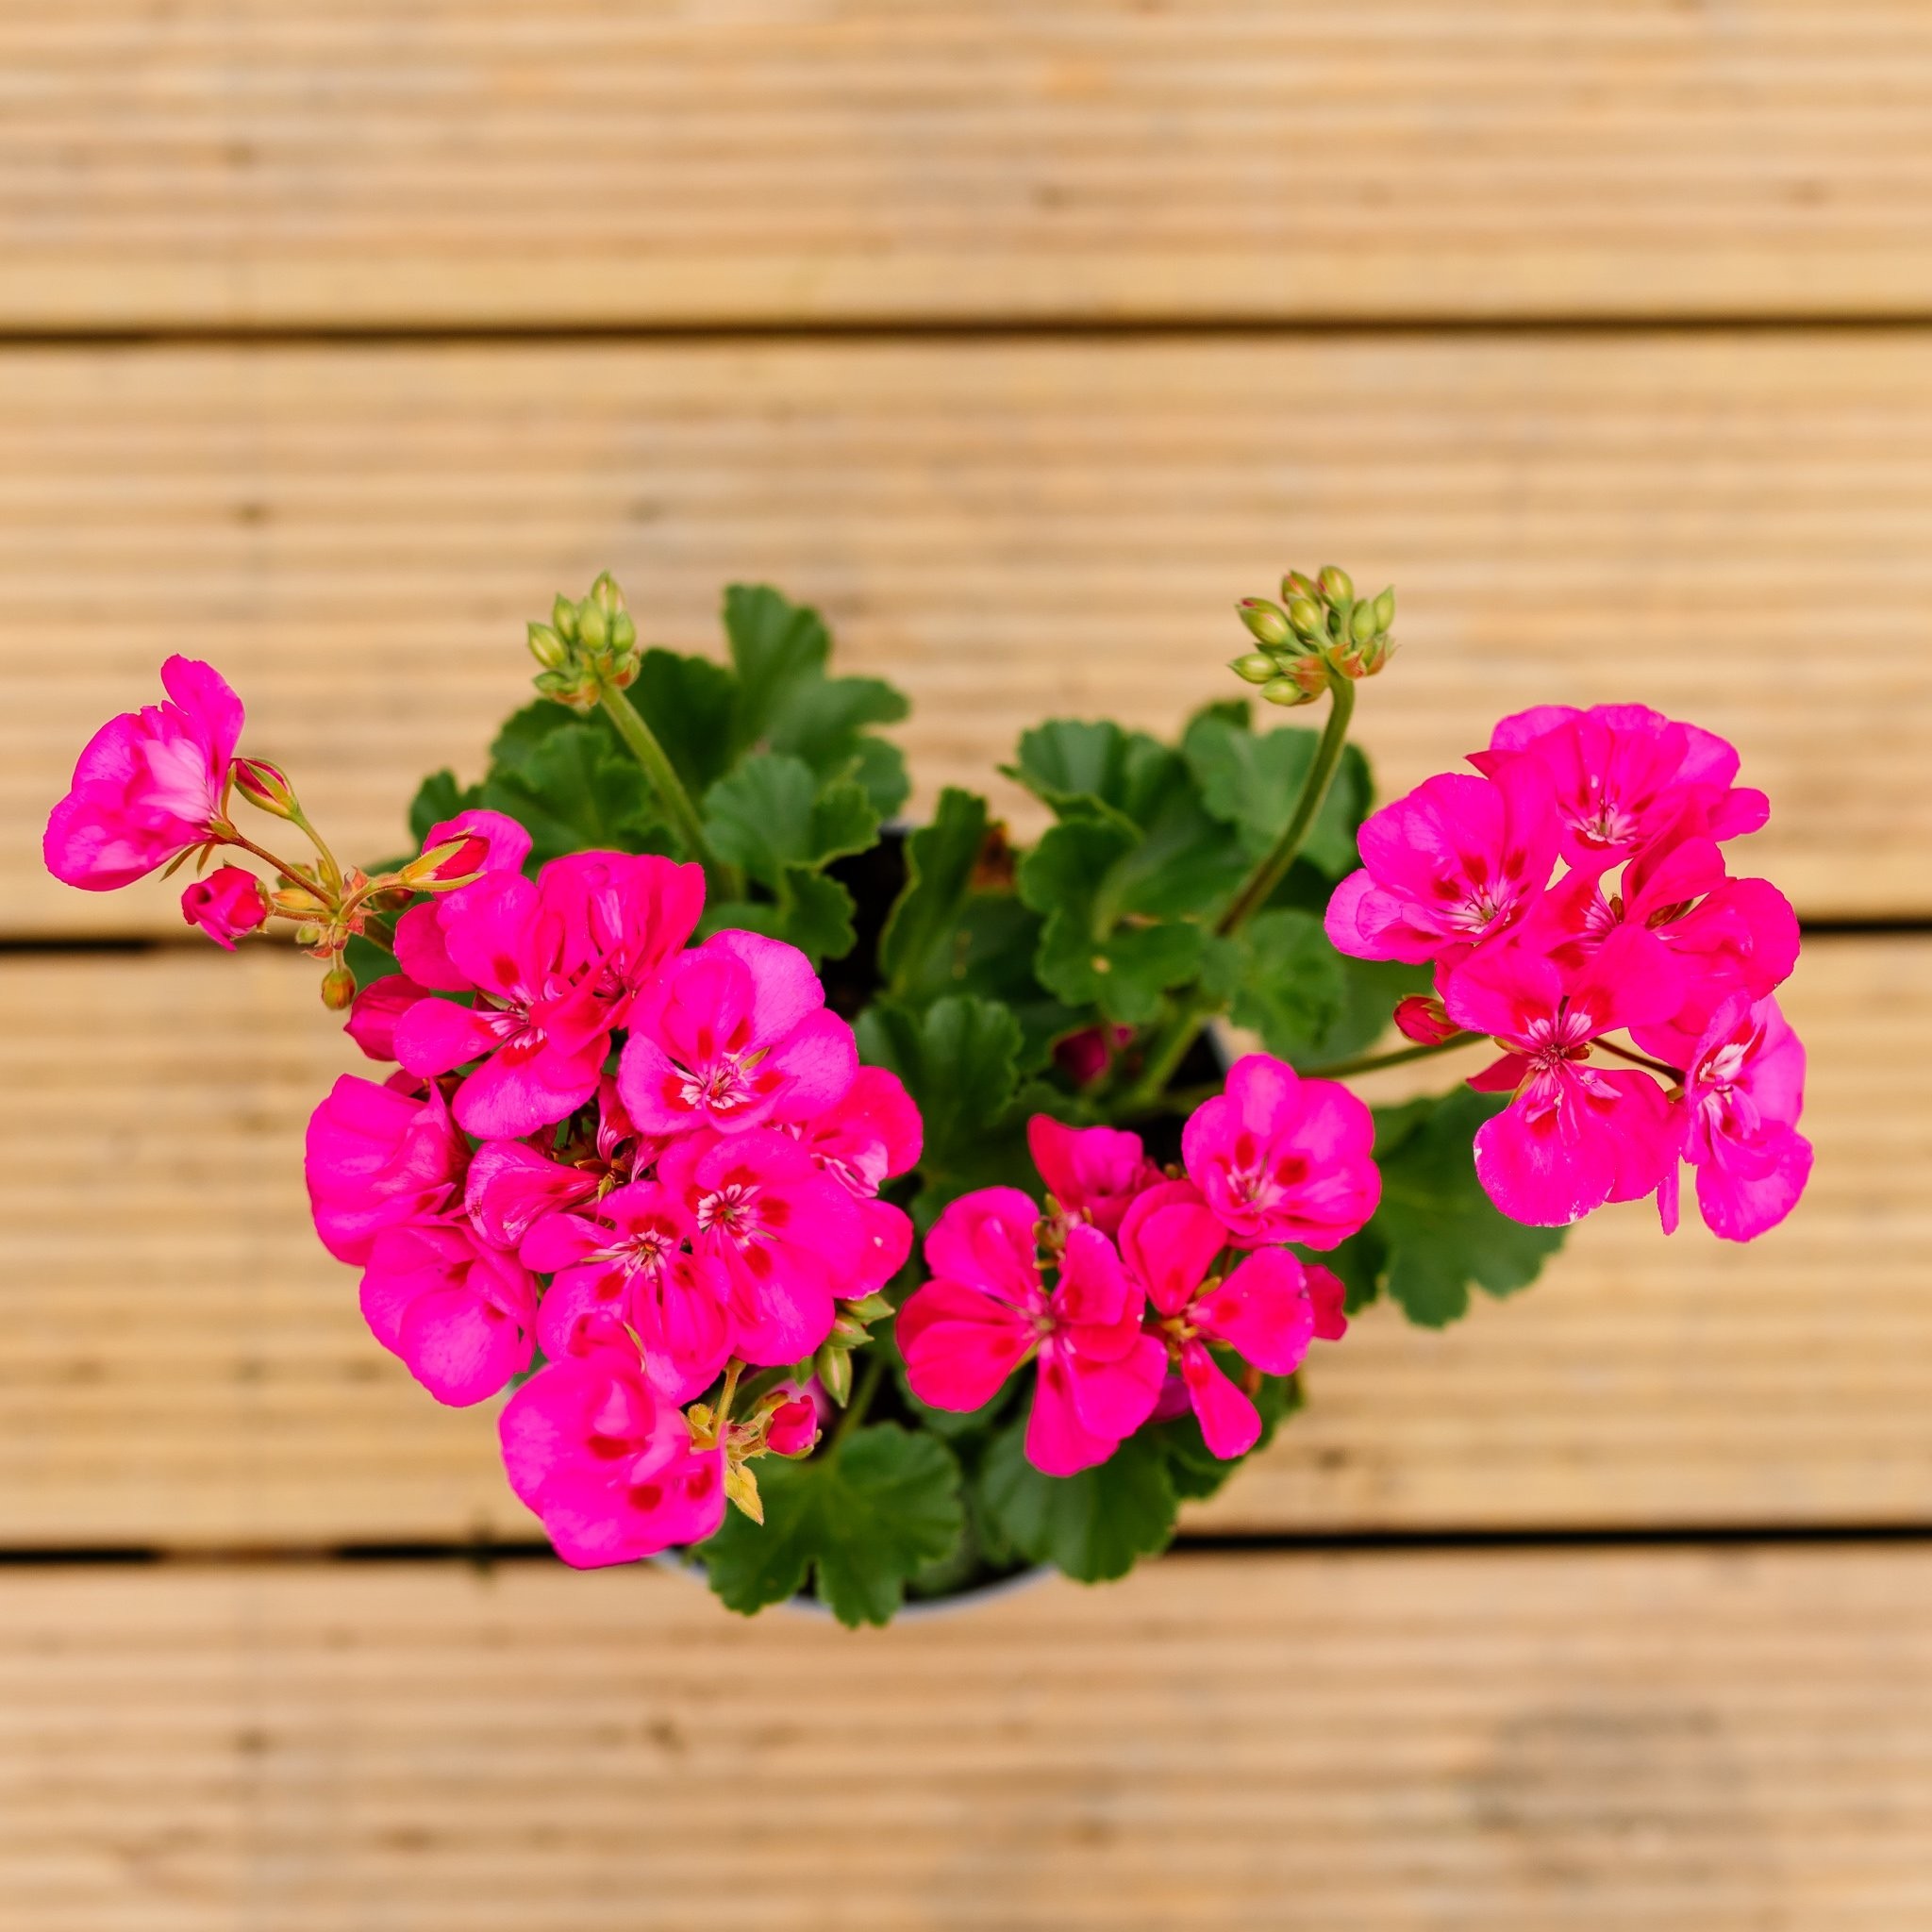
(1686, 1740)
(1729, 526)
(182, 1365)
(236, 163)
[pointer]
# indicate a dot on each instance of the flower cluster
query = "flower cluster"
(1159, 1284)
(658, 1165)
(1643, 929)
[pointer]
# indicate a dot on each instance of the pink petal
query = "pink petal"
(1263, 1311)
(987, 1239)
(436, 1035)
(1328, 1299)
(1230, 1423)
(512, 1094)
(1170, 1240)
(959, 1345)
(1058, 1442)
(1113, 1397)
(1740, 1205)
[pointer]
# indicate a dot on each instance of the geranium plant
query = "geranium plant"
(864, 1210)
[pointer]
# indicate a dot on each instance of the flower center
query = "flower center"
(733, 1212)
(724, 1086)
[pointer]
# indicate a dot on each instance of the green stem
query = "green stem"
(861, 1398)
(296, 874)
(1262, 881)
(1374, 1062)
(669, 787)
(1191, 1010)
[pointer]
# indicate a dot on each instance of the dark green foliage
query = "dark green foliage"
(858, 1519)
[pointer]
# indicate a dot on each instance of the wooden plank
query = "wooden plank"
(181, 1364)
(243, 163)
(1687, 1741)
(1724, 526)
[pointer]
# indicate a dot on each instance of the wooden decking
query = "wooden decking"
(1022, 339)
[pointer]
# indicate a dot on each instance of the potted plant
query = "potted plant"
(873, 1212)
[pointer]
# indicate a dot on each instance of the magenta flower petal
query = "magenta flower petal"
(1263, 1311)
(1093, 1172)
(1230, 1423)
(988, 1240)
(1058, 1442)
(959, 1345)
(1170, 1240)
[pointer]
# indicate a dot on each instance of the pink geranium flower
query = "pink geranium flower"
(225, 905)
(512, 1185)
(1743, 1092)
(780, 1237)
(377, 1159)
(491, 842)
(869, 1136)
(556, 965)
(735, 1035)
(1261, 1309)
(1092, 1173)
(1573, 1135)
(623, 1265)
(1281, 1158)
(150, 784)
(1457, 861)
(1727, 936)
(461, 1315)
(987, 1310)
(1622, 776)
(607, 1463)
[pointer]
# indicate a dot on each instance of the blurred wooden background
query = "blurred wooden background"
(1022, 339)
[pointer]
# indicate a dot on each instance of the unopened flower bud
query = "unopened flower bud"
(833, 1367)
(1306, 615)
(1265, 621)
(1336, 584)
(870, 1308)
(265, 786)
(1299, 584)
(593, 626)
(848, 1332)
(563, 619)
(1284, 690)
(1423, 1018)
(454, 863)
(227, 903)
(337, 988)
(296, 901)
(1385, 609)
(548, 648)
(1256, 668)
(1361, 622)
(606, 595)
(794, 1427)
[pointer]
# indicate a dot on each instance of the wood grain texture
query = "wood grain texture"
(180, 1364)
(244, 163)
(1688, 1742)
(1730, 527)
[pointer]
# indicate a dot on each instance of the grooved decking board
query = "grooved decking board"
(1690, 1741)
(1730, 527)
(181, 1364)
(243, 162)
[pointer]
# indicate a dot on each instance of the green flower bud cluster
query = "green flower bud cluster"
(586, 648)
(1320, 631)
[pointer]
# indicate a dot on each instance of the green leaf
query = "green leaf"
(1092, 1526)
(1073, 763)
(690, 704)
(578, 791)
(440, 797)
(777, 647)
(858, 1519)
(1084, 956)
(770, 814)
(1441, 1230)
(1251, 781)
(940, 858)
(525, 732)
(1293, 986)
(959, 1060)
(785, 701)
